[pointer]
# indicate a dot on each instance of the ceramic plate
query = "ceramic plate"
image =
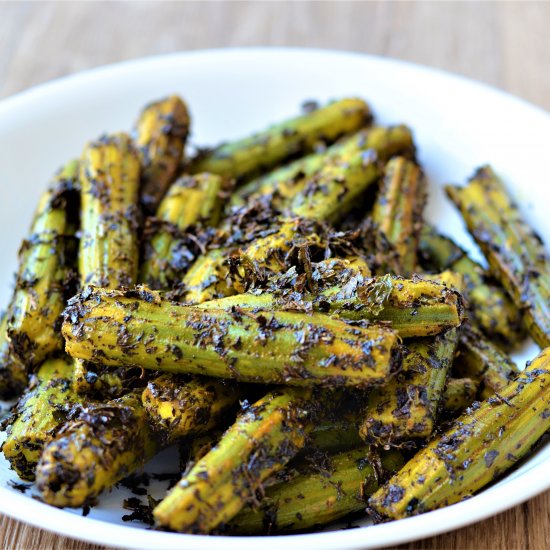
(458, 125)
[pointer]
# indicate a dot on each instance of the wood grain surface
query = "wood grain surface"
(505, 44)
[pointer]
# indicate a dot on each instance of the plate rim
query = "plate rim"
(30, 511)
(51, 85)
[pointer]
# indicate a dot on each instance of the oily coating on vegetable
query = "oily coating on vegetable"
(108, 257)
(337, 436)
(46, 274)
(338, 429)
(515, 253)
(414, 307)
(484, 362)
(459, 393)
(318, 496)
(245, 158)
(160, 135)
(181, 407)
(191, 203)
(262, 441)
(138, 328)
(389, 300)
(483, 443)
(109, 176)
(398, 211)
(490, 307)
(284, 183)
(193, 449)
(39, 414)
(102, 445)
(336, 188)
(220, 272)
(326, 196)
(100, 382)
(406, 406)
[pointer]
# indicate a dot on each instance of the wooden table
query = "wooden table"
(503, 44)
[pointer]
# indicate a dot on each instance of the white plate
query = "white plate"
(458, 125)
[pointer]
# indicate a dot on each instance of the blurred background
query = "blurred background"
(505, 44)
(501, 43)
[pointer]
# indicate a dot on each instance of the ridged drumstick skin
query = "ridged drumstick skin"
(102, 445)
(109, 176)
(160, 135)
(210, 276)
(46, 276)
(459, 393)
(391, 300)
(261, 442)
(197, 405)
(46, 272)
(250, 156)
(265, 253)
(488, 439)
(451, 279)
(335, 189)
(181, 407)
(283, 183)
(97, 381)
(39, 414)
(138, 328)
(398, 210)
(327, 196)
(481, 360)
(194, 448)
(336, 432)
(13, 373)
(338, 429)
(491, 308)
(110, 179)
(406, 406)
(318, 496)
(515, 253)
(412, 307)
(167, 253)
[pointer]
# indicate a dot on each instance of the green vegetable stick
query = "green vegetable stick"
(489, 438)
(260, 152)
(516, 255)
(138, 328)
(261, 442)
